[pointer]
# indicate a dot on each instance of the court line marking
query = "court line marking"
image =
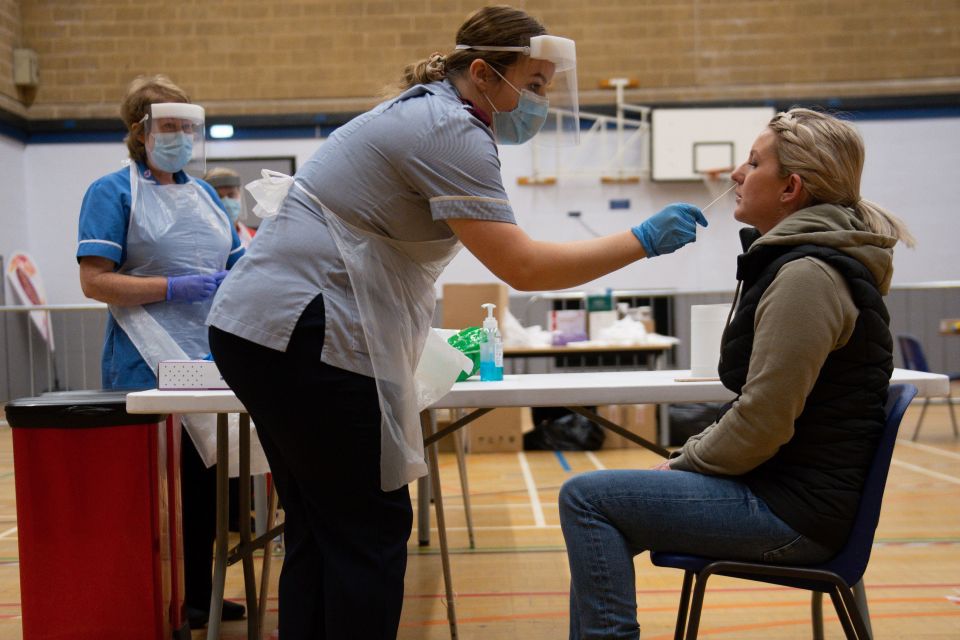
(531, 491)
(928, 448)
(926, 472)
(7, 532)
(592, 457)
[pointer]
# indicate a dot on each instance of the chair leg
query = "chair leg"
(841, 608)
(860, 597)
(816, 614)
(856, 617)
(684, 605)
(923, 410)
(696, 606)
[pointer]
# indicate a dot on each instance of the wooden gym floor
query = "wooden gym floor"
(513, 585)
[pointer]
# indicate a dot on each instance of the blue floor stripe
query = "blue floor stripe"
(563, 461)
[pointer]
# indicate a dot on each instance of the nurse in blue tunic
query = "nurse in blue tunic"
(154, 244)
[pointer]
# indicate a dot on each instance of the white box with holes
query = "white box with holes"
(190, 374)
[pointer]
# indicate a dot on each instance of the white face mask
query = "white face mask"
(232, 207)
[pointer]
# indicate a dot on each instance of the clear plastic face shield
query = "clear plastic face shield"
(551, 62)
(174, 137)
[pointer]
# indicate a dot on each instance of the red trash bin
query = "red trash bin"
(98, 510)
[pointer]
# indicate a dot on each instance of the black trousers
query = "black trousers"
(345, 539)
(198, 500)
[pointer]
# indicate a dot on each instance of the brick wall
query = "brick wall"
(294, 56)
(9, 39)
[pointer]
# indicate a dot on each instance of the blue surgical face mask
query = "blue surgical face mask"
(232, 206)
(524, 122)
(171, 151)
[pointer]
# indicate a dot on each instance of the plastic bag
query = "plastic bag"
(468, 343)
(269, 192)
(689, 419)
(437, 368)
(571, 432)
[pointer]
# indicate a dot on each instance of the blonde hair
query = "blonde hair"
(492, 26)
(143, 92)
(827, 153)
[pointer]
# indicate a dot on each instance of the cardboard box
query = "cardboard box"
(500, 430)
(189, 374)
(640, 419)
(461, 308)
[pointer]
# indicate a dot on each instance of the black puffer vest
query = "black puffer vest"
(813, 482)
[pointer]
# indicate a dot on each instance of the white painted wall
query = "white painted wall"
(14, 232)
(912, 169)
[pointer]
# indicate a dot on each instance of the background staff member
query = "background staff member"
(154, 244)
(227, 184)
(337, 293)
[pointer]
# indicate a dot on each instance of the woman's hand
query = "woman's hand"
(194, 287)
(663, 466)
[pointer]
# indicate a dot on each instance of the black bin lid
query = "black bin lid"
(75, 409)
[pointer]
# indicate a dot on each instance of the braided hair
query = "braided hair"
(828, 154)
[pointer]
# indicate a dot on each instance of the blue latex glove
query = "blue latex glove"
(670, 229)
(193, 288)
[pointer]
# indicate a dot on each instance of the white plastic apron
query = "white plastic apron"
(177, 230)
(393, 281)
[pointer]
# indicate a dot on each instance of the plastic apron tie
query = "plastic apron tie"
(176, 230)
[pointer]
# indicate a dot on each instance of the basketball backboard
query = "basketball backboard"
(687, 142)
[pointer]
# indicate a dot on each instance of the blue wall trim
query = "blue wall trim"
(318, 126)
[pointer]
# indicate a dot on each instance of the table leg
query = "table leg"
(267, 551)
(249, 576)
(423, 511)
(260, 505)
(663, 429)
(464, 484)
(220, 547)
(426, 425)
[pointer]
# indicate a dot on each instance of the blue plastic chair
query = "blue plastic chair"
(915, 360)
(838, 576)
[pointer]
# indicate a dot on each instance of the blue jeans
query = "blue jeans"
(608, 517)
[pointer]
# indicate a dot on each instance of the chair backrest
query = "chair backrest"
(851, 562)
(912, 352)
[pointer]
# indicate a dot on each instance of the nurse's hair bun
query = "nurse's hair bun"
(436, 67)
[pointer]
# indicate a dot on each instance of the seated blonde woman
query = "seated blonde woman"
(777, 478)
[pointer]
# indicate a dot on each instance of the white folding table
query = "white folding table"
(576, 391)
(223, 403)
(572, 390)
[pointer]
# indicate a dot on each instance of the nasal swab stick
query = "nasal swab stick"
(734, 186)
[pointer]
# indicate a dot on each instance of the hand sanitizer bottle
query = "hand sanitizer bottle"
(491, 349)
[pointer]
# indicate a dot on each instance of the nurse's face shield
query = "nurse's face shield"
(562, 127)
(174, 137)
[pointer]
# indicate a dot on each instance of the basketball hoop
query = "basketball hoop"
(717, 181)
